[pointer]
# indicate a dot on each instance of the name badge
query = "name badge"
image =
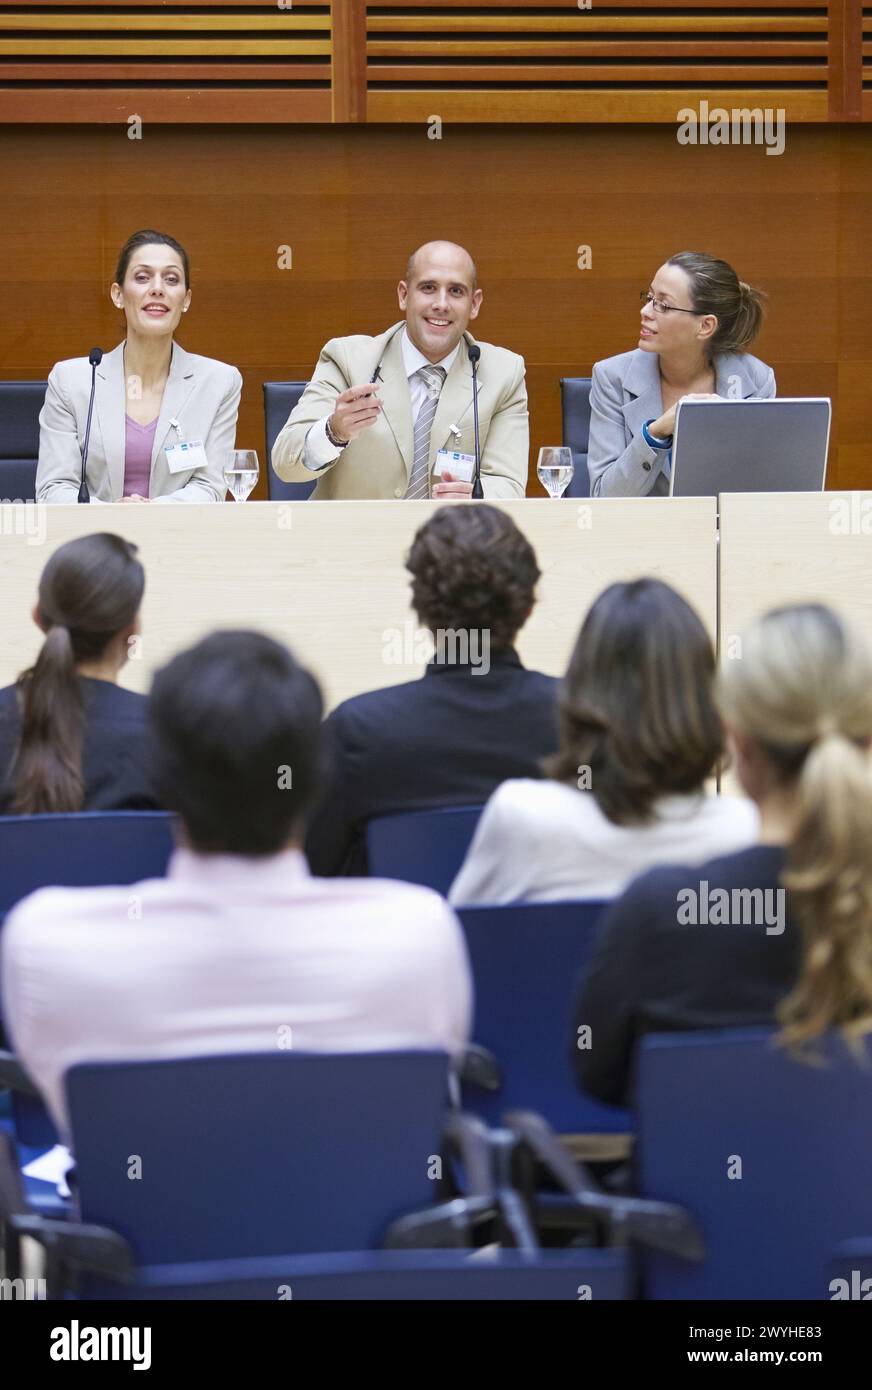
(460, 466)
(185, 456)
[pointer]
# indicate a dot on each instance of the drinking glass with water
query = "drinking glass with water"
(241, 472)
(555, 470)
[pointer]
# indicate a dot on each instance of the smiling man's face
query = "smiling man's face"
(439, 298)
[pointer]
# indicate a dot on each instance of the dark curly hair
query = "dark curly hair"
(636, 706)
(473, 570)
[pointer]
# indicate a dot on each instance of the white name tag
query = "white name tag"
(460, 466)
(183, 457)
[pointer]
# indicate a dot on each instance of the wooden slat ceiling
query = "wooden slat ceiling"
(647, 59)
(166, 60)
(405, 60)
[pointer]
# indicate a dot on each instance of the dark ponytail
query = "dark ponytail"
(715, 288)
(90, 590)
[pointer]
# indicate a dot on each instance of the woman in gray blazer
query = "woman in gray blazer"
(151, 398)
(698, 319)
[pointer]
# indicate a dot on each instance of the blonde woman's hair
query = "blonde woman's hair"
(802, 691)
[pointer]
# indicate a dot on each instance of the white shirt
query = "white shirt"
(546, 842)
(319, 451)
(222, 955)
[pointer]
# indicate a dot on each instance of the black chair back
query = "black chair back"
(20, 404)
(279, 399)
(575, 404)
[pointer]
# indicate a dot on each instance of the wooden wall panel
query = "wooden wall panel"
(352, 202)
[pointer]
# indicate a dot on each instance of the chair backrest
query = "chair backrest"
(20, 404)
(526, 962)
(256, 1155)
(84, 850)
(575, 406)
(279, 399)
(426, 847)
(770, 1154)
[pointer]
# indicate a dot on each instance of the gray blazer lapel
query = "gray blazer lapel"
(642, 382)
(109, 410)
(455, 400)
(180, 384)
(396, 401)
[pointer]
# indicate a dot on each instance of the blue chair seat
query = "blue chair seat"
(20, 404)
(279, 399)
(256, 1154)
(526, 960)
(770, 1153)
(443, 1275)
(83, 850)
(575, 408)
(424, 847)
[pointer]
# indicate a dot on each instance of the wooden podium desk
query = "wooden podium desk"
(328, 578)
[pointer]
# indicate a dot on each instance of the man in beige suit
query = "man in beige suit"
(380, 413)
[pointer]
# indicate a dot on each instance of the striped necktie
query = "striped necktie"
(419, 481)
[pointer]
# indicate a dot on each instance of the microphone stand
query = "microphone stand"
(95, 357)
(474, 352)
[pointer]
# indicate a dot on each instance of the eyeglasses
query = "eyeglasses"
(659, 307)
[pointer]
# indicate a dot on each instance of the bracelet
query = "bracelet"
(651, 441)
(337, 443)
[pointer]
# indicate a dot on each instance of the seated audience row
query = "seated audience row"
(625, 772)
(240, 948)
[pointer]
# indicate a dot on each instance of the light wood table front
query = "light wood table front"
(328, 578)
(805, 547)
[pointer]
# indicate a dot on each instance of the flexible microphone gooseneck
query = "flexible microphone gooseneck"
(474, 353)
(95, 357)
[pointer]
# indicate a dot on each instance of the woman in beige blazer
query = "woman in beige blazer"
(151, 397)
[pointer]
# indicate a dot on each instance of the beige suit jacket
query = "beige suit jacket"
(378, 462)
(202, 394)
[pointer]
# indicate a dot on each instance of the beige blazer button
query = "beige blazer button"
(398, 492)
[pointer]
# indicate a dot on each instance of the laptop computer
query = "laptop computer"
(777, 445)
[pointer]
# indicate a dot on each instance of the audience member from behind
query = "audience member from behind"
(476, 717)
(780, 932)
(639, 736)
(70, 738)
(238, 941)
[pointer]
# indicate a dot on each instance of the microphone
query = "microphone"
(95, 357)
(474, 353)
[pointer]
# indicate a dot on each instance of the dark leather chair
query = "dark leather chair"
(575, 403)
(279, 399)
(20, 404)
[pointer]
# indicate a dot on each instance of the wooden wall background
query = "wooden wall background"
(352, 201)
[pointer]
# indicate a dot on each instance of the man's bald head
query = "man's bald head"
(442, 250)
(439, 297)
